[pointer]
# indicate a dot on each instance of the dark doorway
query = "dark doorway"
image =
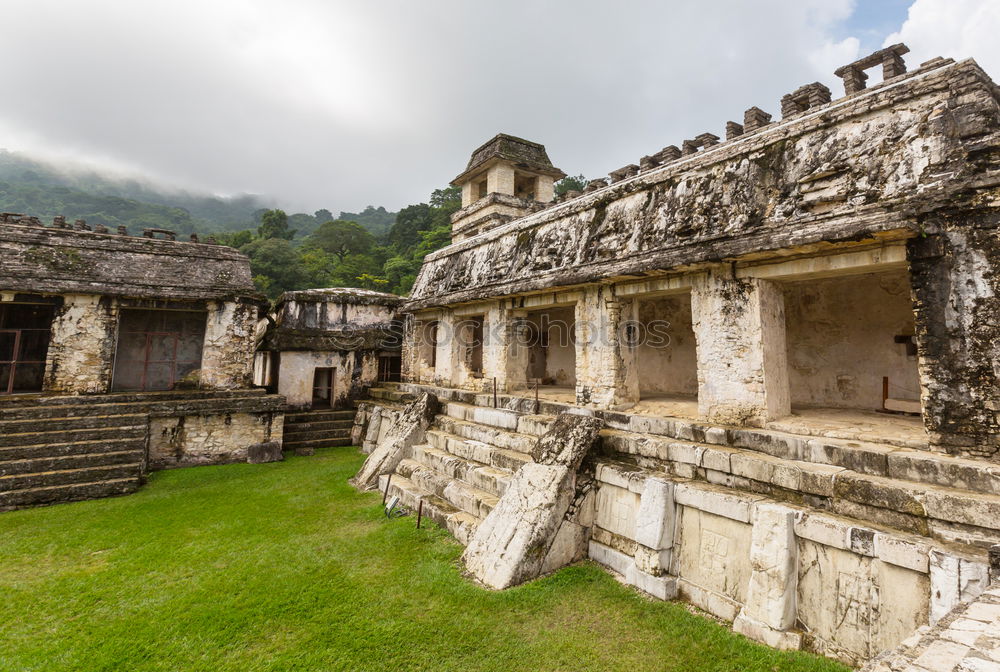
(24, 343)
(157, 348)
(389, 368)
(323, 380)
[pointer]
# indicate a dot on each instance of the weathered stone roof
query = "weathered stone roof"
(57, 259)
(522, 153)
(882, 159)
(363, 297)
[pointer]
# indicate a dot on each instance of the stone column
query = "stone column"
(739, 327)
(955, 279)
(410, 364)
(227, 354)
(544, 188)
(604, 377)
(505, 355)
(81, 351)
(446, 357)
(500, 179)
(770, 609)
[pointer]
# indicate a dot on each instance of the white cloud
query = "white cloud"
(338, 104)
(953, 28)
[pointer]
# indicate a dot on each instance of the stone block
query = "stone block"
(760, 632)
(773, 559)
(823, 530)
(610, 558)
(269, 451)
(662, 587)
(909, 554)
(654, 524)
(945, 587)
(733, 505)
(717, 459)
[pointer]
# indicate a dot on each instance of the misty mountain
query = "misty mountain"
(37, 188)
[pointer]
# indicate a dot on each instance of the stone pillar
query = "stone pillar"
(605, 372)
(739, 327)
(469, 193)
(81, 351)
(446, 356)
(227, 354)
(955, 279)
(500, 179)
(518, 351)
(770, 612)
(410, 365)
(505, 352)
(544, 188)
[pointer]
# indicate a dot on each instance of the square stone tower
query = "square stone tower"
(506, 178)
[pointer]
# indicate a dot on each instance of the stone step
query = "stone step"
(477, 451)
(58, 407)
(501, 438)
(319, 416)
(64, 462)
(316, 443)
(73, 435)
(461, 495)
(46, 450)
(460, 524)
(388, 394)
(309, 427)
(72, 422)
(500, 418)
(949, 513)
(67, 476)
(69, 492)
(484, 477)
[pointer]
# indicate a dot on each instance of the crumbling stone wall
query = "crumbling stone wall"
(196, 439)
(227, 356)
(955, 274)
(81, 347)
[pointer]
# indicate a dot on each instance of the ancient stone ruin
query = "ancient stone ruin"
(785, 344)
(322, 349)
(121, 354)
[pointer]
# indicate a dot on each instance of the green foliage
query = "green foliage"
(284, 566)
(341, 238)
(274, 224)
(377, 220)
(275, 266)
(570, 182)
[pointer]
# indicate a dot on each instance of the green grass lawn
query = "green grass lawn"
(284, 567)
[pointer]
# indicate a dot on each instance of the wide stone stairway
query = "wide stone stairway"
(67, 448)
(466, 462)
(318, 428)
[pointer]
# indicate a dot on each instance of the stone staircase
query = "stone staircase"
(69, 451)
(319, 428)
(465, 464)
(471, 447)
(67, 448)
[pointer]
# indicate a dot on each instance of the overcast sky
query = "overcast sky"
(327, 103)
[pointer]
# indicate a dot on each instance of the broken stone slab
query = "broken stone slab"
(516, 540)
(567, 440)
(407, 431)
(269, 451)
(510, 545)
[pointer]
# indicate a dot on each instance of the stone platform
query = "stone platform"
(793, 537)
